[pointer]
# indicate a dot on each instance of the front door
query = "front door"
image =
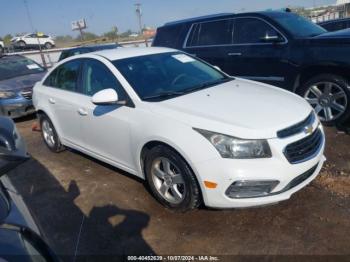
(106, 128)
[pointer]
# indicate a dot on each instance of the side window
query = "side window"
(211, 33)
(96, 77)
(252, 31)
(65, 76)
(51, 79)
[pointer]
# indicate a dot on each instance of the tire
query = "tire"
(1, 50)
(183, 193)
(49, 135)
(48, 45)
(332, 107)
(22, 44)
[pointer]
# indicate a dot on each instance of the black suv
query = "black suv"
(279, 48)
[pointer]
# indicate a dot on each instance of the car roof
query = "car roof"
(121, 53)
(12, 57)
(92, 46)
(226, 15)
(194, 19)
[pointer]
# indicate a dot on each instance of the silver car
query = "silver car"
(18, 75)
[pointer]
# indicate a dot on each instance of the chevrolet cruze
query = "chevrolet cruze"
(192, 132)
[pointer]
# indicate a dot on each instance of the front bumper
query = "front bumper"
(224, 172)
(16, 107)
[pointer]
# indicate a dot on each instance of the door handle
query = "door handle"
(82, 112)
(234, 54)
(52, 101)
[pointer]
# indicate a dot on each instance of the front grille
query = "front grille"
(305, 148)
(297, 128)
(27, 94)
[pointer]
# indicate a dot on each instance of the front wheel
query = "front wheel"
(329, 95)
(171, 180)
(49, 135)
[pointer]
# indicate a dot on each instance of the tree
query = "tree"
(126, 34)
(88, 36)
(113, 34)
(7, 39)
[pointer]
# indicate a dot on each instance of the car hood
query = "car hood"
(20, 82)
(240, 108)
(341, 36)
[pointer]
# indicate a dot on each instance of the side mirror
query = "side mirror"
(106, 97)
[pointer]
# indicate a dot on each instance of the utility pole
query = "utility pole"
(139, 16)
(36, 33)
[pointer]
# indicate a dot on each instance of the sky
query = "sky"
(54, 17)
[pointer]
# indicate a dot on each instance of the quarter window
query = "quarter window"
(211, 33)
(252, 31)
(96, 77)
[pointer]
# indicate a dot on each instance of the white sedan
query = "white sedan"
(195, 134)
(33, 40)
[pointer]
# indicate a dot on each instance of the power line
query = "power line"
(28, 14)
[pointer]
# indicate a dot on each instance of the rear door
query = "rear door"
(254, 55)
(211, 41)
(64, 100)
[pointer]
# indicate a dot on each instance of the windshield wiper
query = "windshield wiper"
(186, 91)
(164, 95)
(207, 84)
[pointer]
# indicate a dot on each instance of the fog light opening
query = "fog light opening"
(251, 188)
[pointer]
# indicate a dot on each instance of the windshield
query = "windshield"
(297, 25)
(166, 75)
(13, 66)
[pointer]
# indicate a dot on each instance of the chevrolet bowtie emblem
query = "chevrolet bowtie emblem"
(308, 130)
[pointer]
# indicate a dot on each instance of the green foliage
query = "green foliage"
(7, 39)
(87, 36)
(113, 34)
(64, 38)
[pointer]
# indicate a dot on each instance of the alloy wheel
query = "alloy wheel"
(48, 133)
(168, 180)
(328, 100)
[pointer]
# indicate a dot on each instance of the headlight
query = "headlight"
(232, 147)
(7, 94)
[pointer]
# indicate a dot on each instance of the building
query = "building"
(324, 13)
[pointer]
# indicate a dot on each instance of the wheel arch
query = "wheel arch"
(311, 71)
(40, 112)
(155, 142)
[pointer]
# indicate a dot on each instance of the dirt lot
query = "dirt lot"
(87, 207)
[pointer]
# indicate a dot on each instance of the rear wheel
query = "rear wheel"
(49, 134)
(48, 45)
(171, 180)
(329, 95)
